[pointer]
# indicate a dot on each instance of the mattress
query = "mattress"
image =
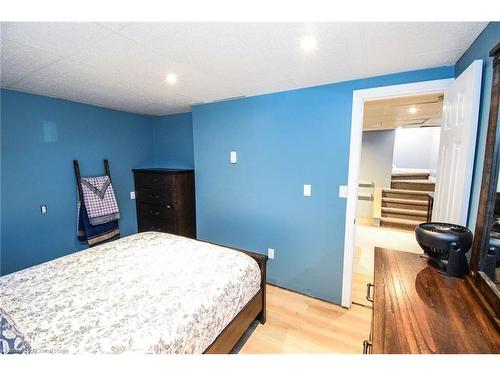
(146, 293)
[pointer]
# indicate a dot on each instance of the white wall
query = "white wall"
(376, 165)
(417, 148)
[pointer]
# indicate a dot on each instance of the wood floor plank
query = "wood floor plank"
(300, 324)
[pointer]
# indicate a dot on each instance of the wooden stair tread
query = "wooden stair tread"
(404, 191)
(404, 211)
(422, 185)
(400, 221)
(416, 182)
(410, 176)
(414, 202)
(402, 174)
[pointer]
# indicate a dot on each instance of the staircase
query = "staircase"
(404, 205)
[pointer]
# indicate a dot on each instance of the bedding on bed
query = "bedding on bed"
(146, 293)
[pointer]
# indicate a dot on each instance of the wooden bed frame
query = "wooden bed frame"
(254, 309)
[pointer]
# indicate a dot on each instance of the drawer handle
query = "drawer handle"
(154, 212)
(156, 179)
(367, 345)
(169, 207)
(155, 196)
(369, 297)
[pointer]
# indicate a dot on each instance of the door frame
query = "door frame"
(358, 100)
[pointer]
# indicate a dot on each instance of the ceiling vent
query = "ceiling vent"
(226, 99)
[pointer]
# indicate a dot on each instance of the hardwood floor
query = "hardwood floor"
(367, 238)
(359, 281)
(301, 324)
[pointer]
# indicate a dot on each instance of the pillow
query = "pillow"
(12, 341)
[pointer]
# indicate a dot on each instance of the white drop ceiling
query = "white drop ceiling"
(123, 65)
(407, 112)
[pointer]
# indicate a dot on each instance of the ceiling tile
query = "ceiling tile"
(61, 38)
(280, 44)
(25, 57)
(383, 39)
(10, 74)
(115, 26)
(123, 65)
(211, 49)
(16, 60)
(391, 113)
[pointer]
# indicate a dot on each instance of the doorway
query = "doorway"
(397, 177)
(359, 98)
(455, 158)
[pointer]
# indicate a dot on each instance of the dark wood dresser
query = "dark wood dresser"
(165, 201)
(417, 310)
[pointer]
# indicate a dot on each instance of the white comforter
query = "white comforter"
(146, 293)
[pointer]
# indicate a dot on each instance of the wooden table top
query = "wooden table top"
(419, 310)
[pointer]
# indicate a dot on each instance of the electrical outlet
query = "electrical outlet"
(270, 253)
(132, 195)
(43, 209)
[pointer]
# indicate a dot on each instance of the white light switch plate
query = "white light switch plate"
(233, 158)
(270, 253)
(307, 190)
(343, 191)
(132, 195)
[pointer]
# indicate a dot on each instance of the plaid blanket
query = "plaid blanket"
(95, 234)
(99, 199)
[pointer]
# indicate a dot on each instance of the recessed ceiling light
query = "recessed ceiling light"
(412, 110)
(171, 78)
(308, 43)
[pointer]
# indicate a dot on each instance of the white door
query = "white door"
(457, 146)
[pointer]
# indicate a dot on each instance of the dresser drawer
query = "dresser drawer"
(156, 212)
(145, 225)
(161, 181)
(165, 200)
(155, 196)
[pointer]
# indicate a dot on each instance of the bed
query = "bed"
(146, 293)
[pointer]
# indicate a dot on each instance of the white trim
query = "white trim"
(358, 99)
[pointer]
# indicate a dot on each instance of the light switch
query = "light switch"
(307, 190)
(233, 157)
(343, 191)
(132, 195)
(270, 253)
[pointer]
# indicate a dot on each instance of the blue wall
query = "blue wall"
(480, 50)
(283, 140)
(40, 138)
(173, 140)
